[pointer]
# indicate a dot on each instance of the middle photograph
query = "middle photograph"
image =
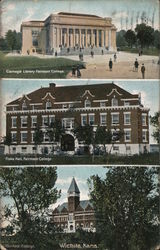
(79, 122)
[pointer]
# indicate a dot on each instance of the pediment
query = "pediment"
(87, 93)
(48, 95)
(114, 91)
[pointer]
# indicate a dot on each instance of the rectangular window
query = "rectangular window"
(103, 119)
(46, 138)
(34, 121)
(115, 119)
(14, 121)
(91, 119)
(144, 119)
(24, 137)
(127, 118)
(115, 148)
(14, 136)
(68, 123)
(23, 121)
(24, 150)
(64, 106)
(83, 120)
(13, 150)
(102, 104)
(127, 135)
(71, 105)
(144, 135)
(126, 103)
(33, 135)
(115, 135)
(44, 121)
(51, 119)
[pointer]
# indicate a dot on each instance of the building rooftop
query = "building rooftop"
(73, 187)
(84, 204)
(75, 93)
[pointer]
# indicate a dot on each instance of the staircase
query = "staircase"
(85, 51)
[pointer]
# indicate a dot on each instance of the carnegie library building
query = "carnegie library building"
(75, 213)
(96, 105)
(68, 30)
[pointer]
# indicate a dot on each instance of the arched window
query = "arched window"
(114, 102)
(48, 105)
(87, 103)
(71, 228)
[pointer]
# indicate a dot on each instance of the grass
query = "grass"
(146, 51)
(143, 159)
(56, 67)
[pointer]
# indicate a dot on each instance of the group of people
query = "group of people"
(76, 71)
(136, 65)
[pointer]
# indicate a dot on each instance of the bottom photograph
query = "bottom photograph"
(79, 207)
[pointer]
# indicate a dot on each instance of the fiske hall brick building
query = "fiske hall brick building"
(96, 104)
(75, 213)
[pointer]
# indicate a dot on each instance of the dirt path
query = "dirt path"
(97, 67)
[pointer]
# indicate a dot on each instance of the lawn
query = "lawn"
(143, 159)
(51, 67)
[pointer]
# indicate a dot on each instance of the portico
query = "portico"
(68, 30)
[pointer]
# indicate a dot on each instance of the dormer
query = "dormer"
(114, 97)
(64, 210)
(24, 102)
(88, 208)
(114, 101)
(87, 98)
(79, 208)
(48, 101)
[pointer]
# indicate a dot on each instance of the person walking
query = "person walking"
(110, 64)
(115, 57)
(136, 64)
(143, 70)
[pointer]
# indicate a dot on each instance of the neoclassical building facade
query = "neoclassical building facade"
(74, 213)
(96, 105)
(66, 29)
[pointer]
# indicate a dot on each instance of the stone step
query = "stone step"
(85, 51)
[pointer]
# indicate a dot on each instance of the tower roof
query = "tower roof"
(73, 187)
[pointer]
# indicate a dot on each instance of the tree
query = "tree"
(55, 131)
(157, 39)
(103, 136)
(85, 134)
(38, 137)
(3, 44)
(155, 122)
(8, 140)
(145, 34)
(130, 37)
(126, 206)
(11, 39)
(30, 191)
(120, 38)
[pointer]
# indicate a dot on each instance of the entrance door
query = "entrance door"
(67, 143)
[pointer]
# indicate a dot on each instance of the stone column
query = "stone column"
(97, 42)
(61, 36)
(109, 39)
(113, 39)
(58, 37)
(67, 37)
(102, 38)
(106, 38)
(86, 38)
(74, 37)
(92, 37)
(80, 44)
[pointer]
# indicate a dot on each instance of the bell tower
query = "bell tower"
(73, 196)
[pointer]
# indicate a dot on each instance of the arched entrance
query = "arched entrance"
(67, 143)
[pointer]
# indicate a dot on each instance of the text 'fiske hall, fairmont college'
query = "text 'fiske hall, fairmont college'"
(68, 30)
(96, 104)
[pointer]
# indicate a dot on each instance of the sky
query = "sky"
(12, 89)
(125, 13)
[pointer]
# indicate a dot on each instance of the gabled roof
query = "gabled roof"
(73, 187)
(74, 93)
(84, 204)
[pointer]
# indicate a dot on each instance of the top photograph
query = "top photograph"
(80, 39)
